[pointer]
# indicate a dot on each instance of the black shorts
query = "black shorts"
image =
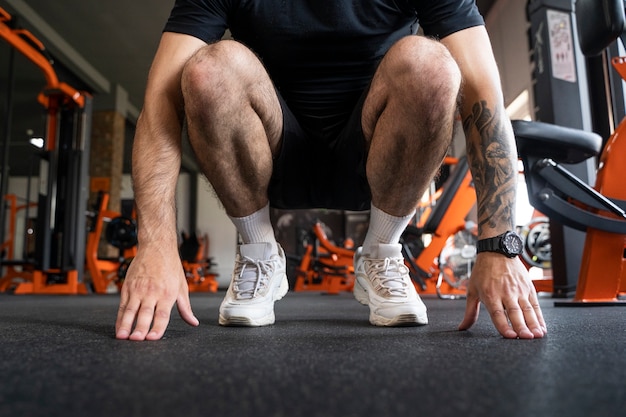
(310, 172)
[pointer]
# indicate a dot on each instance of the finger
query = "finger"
(125, 318)
(532, 322)
(145, 315)
(120, 312)
(472, 308)
(183, 304)
(542, 321)
(500, 320)
(538, 327)
(161, 320)
(517, 316)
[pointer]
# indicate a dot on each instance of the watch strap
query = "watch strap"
(508, 243)
(490, 244)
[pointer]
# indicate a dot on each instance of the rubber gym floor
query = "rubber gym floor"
(321, 358)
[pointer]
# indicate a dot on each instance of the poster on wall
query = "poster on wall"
(561, 46)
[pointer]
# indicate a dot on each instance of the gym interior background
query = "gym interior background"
(103, 49)
(106, 49)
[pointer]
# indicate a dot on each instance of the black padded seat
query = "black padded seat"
(599, 23)
(562, 144)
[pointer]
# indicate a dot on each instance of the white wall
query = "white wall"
(507, 27)
(213, 221)
(19, 186)
(182, 211)
(126, 193)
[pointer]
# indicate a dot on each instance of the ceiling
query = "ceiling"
(107, 44)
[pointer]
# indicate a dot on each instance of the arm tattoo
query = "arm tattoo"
(493, 169)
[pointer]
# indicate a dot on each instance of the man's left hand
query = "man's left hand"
(502, 284)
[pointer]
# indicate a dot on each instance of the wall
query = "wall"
(19, 187)
(213, 221)
(507, 26)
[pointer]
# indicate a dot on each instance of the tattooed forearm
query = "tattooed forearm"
(493, 166)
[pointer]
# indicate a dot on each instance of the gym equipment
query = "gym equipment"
(197, 266)
(14, 276)
(561, 195)
(60, 237)
(537, 248)
(324, 266)
(439, 249)
(107, 274)
(122, 232)
(443, 265)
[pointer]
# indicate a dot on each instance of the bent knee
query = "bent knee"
(222, 64)
(423, 67)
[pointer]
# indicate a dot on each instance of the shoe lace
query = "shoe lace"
(251, 276)
(391, 274)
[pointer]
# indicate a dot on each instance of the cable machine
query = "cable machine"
(63, 175)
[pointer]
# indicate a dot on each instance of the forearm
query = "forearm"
(493, 161)
(157, 143)
(156, 165)
(491, 151)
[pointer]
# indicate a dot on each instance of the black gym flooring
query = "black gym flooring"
(321, 358)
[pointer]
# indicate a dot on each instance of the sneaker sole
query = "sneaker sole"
(246, 321)
(401, 320)
(243, 321)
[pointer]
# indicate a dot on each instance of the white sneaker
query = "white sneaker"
(257, 282)
(383, 283)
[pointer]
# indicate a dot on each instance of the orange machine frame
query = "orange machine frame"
(325, 267)
(53, 96)
(13, 276)
(198, 272)
(103, 272)
(602, 276)
(453, 220)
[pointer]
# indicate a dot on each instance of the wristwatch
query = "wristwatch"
(508, 243)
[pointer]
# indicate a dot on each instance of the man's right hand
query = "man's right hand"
(154, 282)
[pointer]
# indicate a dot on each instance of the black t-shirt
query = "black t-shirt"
(320, 54)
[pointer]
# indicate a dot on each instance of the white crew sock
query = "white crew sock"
(256, 228)
(384, 228)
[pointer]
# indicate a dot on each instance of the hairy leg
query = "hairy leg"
(235, 123)
(408, 121)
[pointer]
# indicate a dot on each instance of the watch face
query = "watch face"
(512, 243)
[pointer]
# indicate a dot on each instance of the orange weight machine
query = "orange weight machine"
(60, 229)
(197, 266)
(441, 264)
(555, 191)
(17, 271)
(440, 247)
(324, 266)
(107, 273)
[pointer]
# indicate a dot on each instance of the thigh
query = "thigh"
(226, 87)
